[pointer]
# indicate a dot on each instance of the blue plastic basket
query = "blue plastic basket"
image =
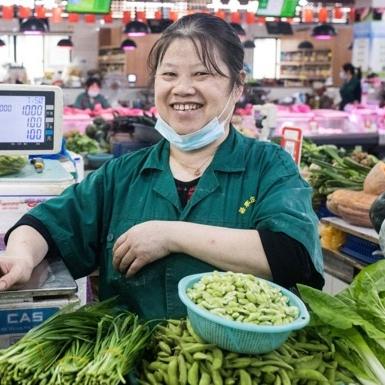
(360, 249)
(236, 336)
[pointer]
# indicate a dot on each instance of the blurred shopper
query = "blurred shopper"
(91, 97)
(350, 90)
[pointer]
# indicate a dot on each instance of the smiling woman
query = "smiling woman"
(204, 198)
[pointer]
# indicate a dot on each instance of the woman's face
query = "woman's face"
(187, 96)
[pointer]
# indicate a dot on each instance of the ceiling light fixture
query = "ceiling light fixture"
(249, 44)
(65, 43)
(324, 32)
(305, 45)
(33, 26)
(128, 45)
(136, 28)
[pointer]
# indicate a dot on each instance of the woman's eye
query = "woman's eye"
(168, 74)
(202, 73)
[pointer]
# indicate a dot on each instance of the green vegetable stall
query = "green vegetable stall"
(101, 343)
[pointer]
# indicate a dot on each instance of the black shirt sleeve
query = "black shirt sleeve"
(289, 261)
(39, 226)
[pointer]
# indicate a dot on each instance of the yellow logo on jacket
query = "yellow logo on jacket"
(246, 204)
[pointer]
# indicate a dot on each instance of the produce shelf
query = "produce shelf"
(358, 231)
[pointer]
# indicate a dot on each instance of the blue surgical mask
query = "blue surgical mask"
(208, 134)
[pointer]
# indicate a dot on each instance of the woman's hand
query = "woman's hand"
(14, 270)
(141, 245)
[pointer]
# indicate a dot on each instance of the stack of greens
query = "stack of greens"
(355, 320)
(92, 345)
(331, 168)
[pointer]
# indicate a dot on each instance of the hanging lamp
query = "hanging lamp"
(128, 45)
(65, 43)
(305, 45)
(33, 26)
(323, 32)
(2, 43)
(249, 44)
(136, 28)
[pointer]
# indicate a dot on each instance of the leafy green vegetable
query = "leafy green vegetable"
(355, 318)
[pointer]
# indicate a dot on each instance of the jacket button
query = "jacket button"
(110, 237)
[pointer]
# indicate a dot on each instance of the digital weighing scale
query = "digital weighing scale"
(30, 124)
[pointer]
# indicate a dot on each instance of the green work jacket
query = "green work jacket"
(248, 185)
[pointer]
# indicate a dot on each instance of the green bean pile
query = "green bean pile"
(180, 357)
(244, 298)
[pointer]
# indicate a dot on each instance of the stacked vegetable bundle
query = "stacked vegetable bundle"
(92, 345)
(331, 168)
(180, 357)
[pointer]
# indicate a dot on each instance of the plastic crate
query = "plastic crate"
(323, 212)
(360, 249)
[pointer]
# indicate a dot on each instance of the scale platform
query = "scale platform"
(52, 181)
(27, 305)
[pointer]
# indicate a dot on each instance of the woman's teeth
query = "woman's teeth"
(186, 107)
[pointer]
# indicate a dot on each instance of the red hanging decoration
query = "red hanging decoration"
(141, 16)
(73, 17)
(7, 12)
(220, 14)
(250, 18)
(235, 17)
(323, 15)
(40, 11)
(260, 20)
(108, 18)
(173, 15)
(158, 15)
(56, 15)
(89, 18)
(307, 15)
(126, 17)
(338, 13)
(24, 12)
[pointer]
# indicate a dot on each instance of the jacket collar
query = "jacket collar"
(230, 156)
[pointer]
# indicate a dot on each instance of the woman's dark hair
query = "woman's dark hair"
(91, 81)
(354, 71)
(209, 34)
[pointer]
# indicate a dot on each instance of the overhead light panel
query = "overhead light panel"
(324, 32)
(128, 45)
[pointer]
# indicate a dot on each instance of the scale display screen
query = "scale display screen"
(30, 119)
(26, 114)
